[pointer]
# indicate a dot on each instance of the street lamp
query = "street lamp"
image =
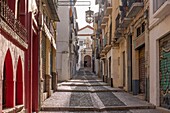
(89, 16)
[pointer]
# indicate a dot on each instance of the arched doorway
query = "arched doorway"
(8, 83)
(19, 84)
(87, 61)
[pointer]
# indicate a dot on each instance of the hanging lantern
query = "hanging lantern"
(89, 16)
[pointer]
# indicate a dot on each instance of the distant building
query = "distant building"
(66, 42)
(85, 49)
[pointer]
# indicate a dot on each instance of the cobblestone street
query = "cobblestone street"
(87, 94)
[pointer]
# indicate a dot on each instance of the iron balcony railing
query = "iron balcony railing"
(104, 41)
(102, 15)
(130, 2)
(97, 53)
(122, 12)
(107, 3)
(9, 17)
(117, 21)
(123, 9)
(101, 45)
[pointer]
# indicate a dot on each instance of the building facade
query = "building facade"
(103, 39)
(131, 35)
(122, 36)
(159, 40)
(13, 44)
(65, 41)
(73, 41)
(48, 18)
(85, 49)
(139, 47)
(23, 28)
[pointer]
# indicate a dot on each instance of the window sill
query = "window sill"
(8, 110)
(17, 108)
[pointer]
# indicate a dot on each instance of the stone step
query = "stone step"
(89, 108)
(84, 85)
(78, 80)
(91, 91)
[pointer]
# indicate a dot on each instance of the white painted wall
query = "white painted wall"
(86, 31)
(63, 43)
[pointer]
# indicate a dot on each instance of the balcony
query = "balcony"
(102, 15)
(97, 53)
(122, 20)
(105, 19)
(108, 7)
(104, 41)
(106, 44)
(102, 55)
(53, 6)
(162, 8)
(8, 17)
(126, 22)
(134, 7)
(103, 26)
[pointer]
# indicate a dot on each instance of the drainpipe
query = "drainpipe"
(39, 55)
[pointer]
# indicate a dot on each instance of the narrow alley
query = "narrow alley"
(85, 56)
(85, 93)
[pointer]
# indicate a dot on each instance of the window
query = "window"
(80, 43)
(143, 27)
(138, 31)
(157, 4)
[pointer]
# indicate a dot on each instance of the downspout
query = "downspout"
(39, 56)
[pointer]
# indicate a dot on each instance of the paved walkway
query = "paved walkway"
(86, 94)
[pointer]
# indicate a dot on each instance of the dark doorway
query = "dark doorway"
(87, 61)
(142, 70)
(129, 63)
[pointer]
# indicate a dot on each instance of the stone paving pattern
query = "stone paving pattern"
(86, 94)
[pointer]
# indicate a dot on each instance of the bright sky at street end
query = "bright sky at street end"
(81, 11)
